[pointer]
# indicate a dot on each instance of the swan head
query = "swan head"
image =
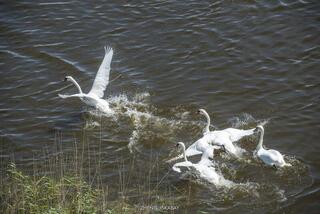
(259, 128)
(180, 144)
(68, 78)
(201, 111)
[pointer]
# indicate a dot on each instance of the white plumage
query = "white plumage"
(94, 97)
(204, 168)
(269, 156)
(198, 148)
(224, 137)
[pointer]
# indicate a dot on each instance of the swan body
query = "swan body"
(198, 148)
(224, 137)
(95, 95)
(204, 168)
(270, 157)
(187, 164)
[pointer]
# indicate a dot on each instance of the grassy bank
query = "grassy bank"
(69, 180)
(22, 193)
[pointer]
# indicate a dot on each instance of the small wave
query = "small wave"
(18, 55)
(48, 44)
(249, 192)
(55, 3)
(63, 60)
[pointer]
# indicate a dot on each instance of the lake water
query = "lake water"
(243, 61)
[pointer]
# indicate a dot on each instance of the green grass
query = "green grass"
(66, 182)
(68, 194)
(43, 194)
(68, 179)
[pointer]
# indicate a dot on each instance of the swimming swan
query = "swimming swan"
(233, 134)
(94, 97)
(204, 168)
(198, 148)
(224, 137)
(185, 163)
(268, 156)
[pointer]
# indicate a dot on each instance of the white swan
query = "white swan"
(224, 137)
(185, 163)
(268, 156)
(94, 97)
(198, 148)
(204, 168)
(233, 133)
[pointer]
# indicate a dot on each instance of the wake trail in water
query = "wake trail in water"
(142, 116)
(147, 124)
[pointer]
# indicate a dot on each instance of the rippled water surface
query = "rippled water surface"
(243, 61)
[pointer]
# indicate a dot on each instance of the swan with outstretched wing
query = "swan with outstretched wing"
(95, 95)
(224, 137)
(204, 169)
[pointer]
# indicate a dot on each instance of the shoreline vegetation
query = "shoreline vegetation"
(72, 182)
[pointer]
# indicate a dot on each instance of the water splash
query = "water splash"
(246, 120)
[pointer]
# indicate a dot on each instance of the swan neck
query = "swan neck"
(76, 84)
(184, 152)
(260, 140)
(208, 122)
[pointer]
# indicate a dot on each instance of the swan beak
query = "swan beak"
(198, 111)
(65, 79)
(177, 145)
(256, 130)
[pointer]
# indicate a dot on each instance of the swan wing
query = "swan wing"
(237, 134)
(279, 160)
(208, 173)
(102, 78)
(192, 150)
(178, 166)
(271, 157)
(274, 152)
(205, 157)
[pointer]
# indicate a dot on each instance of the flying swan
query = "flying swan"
(95, 95)
(204, 168)
(269, 156)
